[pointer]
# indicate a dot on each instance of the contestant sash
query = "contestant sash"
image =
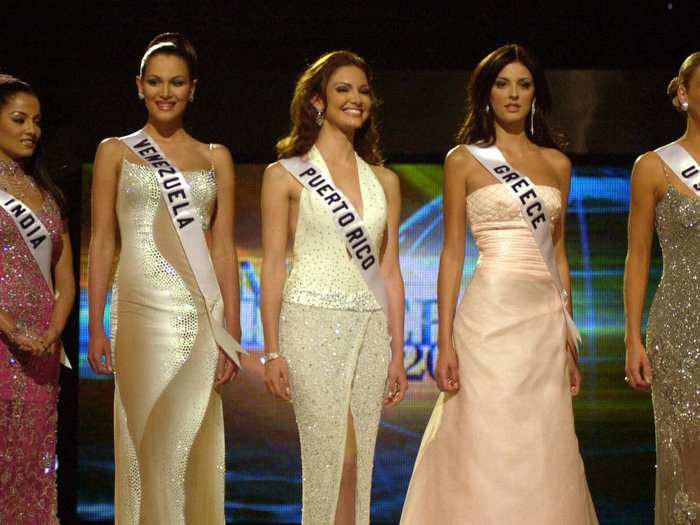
(535, 215)
(177, 196)
(682, 164)
(347, 221)
(36, 237)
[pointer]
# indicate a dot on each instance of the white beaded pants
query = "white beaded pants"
(338, 359)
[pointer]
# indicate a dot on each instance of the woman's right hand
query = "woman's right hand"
(637, 367)
(100, 354)
(447, 369)
(277, 378)
(28, 342)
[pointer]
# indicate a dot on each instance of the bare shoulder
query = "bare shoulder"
(459, 158)
(649, 170)
(559, 162)
(385, 175)
(111, 147)
(220, 154)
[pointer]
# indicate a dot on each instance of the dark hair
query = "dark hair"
(478, 127)
(313, 82)
(684, 74)
(171, 44)
(34, 166)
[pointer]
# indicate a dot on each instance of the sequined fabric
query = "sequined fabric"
(169, 444)
(337, 358)
(28, 384)
(502, 449)
(673, 343)
(321, 275)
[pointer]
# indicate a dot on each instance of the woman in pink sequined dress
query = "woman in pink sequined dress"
(31, 319)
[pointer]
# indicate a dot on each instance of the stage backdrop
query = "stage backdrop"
(263, 466)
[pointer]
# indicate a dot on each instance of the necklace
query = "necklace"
(13, 179)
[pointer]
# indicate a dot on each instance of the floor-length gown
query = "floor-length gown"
(503, 449)
(28, 384)
(674, 351)
(334, 336)
(168, 420)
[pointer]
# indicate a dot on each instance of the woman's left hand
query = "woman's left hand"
(50, 341)
(574, 372)
(397, 383)
(225, 370)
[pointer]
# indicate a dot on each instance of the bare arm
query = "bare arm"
(64, 284)
(105, 178)
(646, 187)
(224, 256)
(458, 165)
(391, 271)
(275, 197)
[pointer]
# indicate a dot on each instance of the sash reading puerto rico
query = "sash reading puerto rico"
(535, 215)
(682, 164)
(177, 196)
(37, 238)
(347, 221)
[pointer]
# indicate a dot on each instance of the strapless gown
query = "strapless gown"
(503, 449)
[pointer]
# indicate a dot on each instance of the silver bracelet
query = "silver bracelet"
(269, 357)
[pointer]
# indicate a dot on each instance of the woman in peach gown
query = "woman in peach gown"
(500, 446)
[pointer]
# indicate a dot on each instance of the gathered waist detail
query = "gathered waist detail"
(507, 245)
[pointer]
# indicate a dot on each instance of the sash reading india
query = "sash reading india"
(37, 239)
(347, 221)
(534, 213)
(177, 196)
(682, 164)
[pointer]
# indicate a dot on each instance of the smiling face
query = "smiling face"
(20, 126)
(348, 99)
(166, 86)
(512, 93)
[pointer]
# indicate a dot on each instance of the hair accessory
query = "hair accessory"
(153, 49)
(320, 118)
(532, 118)
(684, 105)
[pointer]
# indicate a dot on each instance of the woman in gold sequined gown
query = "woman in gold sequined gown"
(168, 420)
(336, 356)
(500, 446)
(670, 363)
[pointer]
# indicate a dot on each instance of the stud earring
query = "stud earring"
(684, 105)
(532, 118)
(487, 108)
(191, 99)
(320, 118)
(141, 97)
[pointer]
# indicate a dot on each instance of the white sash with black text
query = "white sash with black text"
(535, 215)
(347, 221)
(682, 164)
(177, 196)
(36, 237)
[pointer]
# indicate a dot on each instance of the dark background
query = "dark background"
(82, 57)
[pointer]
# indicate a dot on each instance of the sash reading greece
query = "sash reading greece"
(37, 239)
(682, 164)
(347, 222)
(176, 194)
(534, 213)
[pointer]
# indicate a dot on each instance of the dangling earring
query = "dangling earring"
(684, 105)
(320, 118)
(141, 97)
(532, 118)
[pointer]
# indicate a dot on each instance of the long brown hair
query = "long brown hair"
(313, 82)
(35, 165)
(478, 127)
(684, 74)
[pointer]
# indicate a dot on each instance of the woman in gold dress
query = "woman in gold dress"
(326, 336)
(659, 198)
(167, 363)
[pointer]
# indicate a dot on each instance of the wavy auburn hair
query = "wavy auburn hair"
(478, 127)
(313, 82)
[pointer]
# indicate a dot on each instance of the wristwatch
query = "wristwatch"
(266, 358)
